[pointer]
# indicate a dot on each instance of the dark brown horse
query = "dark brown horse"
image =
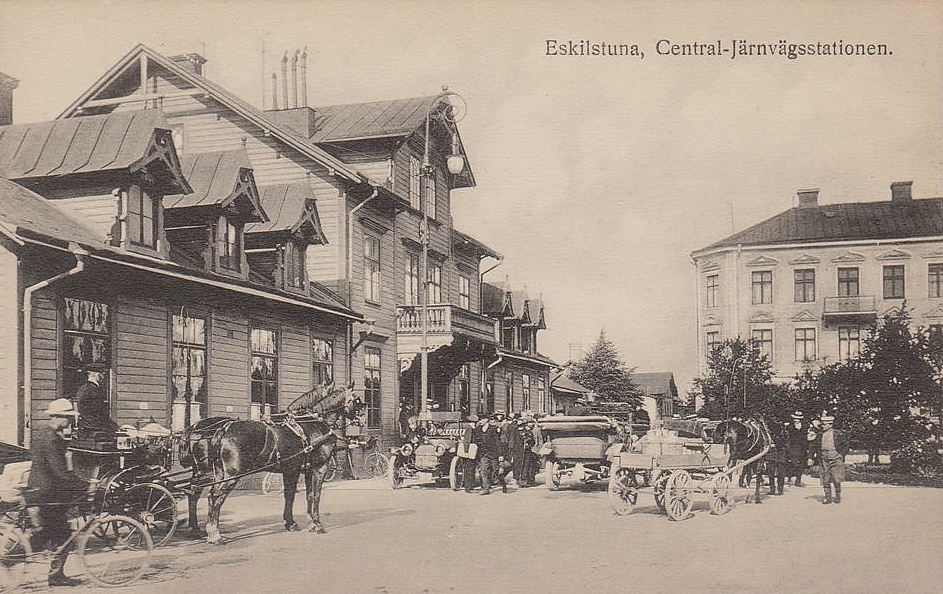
(746, 440)
(221, 450)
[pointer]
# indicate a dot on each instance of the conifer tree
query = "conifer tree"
(603, 371)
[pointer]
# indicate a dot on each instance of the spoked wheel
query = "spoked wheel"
(330, 472)
(551, 475)
(376, 464)
(721, 501)
(658, 488)
(114, 550)
(395, 473)
(154, 506)
(623, 491)
(14, 554)
(456, 474)
(272, 483)
(678, 501)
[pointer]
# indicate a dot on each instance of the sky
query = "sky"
(597, 175)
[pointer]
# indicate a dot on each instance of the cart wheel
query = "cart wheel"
(551, 475)
(456, 473)
(658, 488)
(396, 477)
(376, 464)
(15, 551)
(678, 501)
(623, 491)
(330, 473)
(154, 506)
(272, 483)
(114, 550)
(721, 502)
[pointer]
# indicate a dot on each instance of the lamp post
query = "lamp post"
(733, 370)
(455, 164)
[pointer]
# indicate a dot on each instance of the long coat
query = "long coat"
(50, 479)
(93, 409)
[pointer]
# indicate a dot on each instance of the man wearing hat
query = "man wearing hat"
(93, 405)
(489, 451)
(830, 446)
(468, 464)
(52, 486)
(797, 447)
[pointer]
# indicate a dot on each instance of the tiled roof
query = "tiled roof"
(847, 221)
(213, 177)
(288, 206)
(78, 145)
(654, 384)
(22, 210)
(352, 121)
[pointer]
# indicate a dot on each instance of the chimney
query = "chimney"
(285, 79)
(294, 79)
(900, 191)
(7, 84)
(192, 62)
(274, 91)
(304, 77)
(808, 198)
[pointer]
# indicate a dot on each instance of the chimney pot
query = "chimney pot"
(808, 198)
(901, 191)
(285, 79)
(7, 84)
(304, 77)
(294, 79)
(192, 62)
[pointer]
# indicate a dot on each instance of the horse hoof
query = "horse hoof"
(293, 527)
(758, 501)
(318, 530)
(197, 534)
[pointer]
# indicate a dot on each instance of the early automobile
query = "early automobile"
(432, 454)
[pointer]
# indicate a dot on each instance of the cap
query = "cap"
(61, 407)
(798, 415)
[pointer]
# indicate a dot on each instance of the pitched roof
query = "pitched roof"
(518, 298)
(460, 238)
(654, 384)
(24, 211)
(535, 310)
(92, 143)
(492, 299)
(846, 221)
(376, 119)
(217, 178)
(290, 207)
(537, 358)
(563, 383)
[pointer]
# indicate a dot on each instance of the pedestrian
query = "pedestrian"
(405, 411)
(53, 488)
(93, 405)
(489, 450)
(468, 453)
(797, 448)
(829, 446)
(533, 441)
(514, 439)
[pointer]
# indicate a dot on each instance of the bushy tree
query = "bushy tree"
(603, 371)
(738, 383)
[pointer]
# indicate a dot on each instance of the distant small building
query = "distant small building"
(660, 398)
(566, 392)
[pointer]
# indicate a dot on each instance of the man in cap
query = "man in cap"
(797, 447)
(489, 451)
(830, 446)
(53, 487)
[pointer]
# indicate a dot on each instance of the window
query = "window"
(434, 294)
(179, 138)
(805, 344)
(86, 343)
(322, 361)
(464, 393)
(713, 340)
(142, 218)
(464, 292)
(849, 342)
(764, 340)
(371, 269)
(371, 385)
(509, 391)
(264, 374)
(935, 280)
(893, 282)
(412, 279)
(848, 282)
(507, 337)
(542, 403)
(805, 286)
(525, 391)
(762, 287)
(414, 180)
(230, 248)
(526, 343)
(429, 200)
(188, 367)
(488, 387)
(295, 265)
(712, 286)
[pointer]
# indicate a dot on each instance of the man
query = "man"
(93, 406)
(468, 463)
(830, 447)
(489, 455)
(53, 487)
(797, 448)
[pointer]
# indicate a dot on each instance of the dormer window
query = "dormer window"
(143, 218)
(230, 245)
(295, 265)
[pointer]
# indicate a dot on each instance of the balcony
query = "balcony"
(445, 322)
(854, 309)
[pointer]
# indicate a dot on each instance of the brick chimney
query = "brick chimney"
(192, 62)
(7, 84)
(900, 191)
(808, 198)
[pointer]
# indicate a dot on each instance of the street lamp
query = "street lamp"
(455, 163)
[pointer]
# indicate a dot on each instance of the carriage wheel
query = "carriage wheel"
(678, 501)
(15, 551)
(272, 483)
(154, 506)
(114, 550)
(552, 475)
(721, 501)
(330, 471)
(623, 491)
(658, 489)
(456, 474)
(396, 477)
(376, 464)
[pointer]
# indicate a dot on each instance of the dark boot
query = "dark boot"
(828, 494)
(837, 492)
(56, 576)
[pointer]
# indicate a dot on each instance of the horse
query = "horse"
(221, 450)
(746, 440)
(777, 461)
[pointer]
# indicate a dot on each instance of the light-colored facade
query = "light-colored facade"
(808, 283)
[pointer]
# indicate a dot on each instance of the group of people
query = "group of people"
(498, 445)
(818, 445)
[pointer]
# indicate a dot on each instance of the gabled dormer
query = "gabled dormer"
(112, 171)
(205, 228)
(277, 249)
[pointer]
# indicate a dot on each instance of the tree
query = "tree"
(738, 383)
(603, 371)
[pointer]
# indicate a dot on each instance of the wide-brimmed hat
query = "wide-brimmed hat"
(798, 415)
(61, 407)
(827, 418)
(473, 418)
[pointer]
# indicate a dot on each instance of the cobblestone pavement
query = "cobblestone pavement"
(423, 539)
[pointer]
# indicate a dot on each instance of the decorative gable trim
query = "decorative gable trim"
(932, 254)
(935, 313)
(762, 261)
(805, 260)
(373, 225)
(891, 311)
(848, 257)
(710, 266)
(894, 255)
(762, 317)
(711, 321)
(804, 316)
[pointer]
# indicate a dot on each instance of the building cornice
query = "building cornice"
(810, 244)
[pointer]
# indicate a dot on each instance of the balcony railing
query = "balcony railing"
(857, 305)
(445, 318)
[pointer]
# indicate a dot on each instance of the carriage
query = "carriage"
(577, 446)
(678, 459)
(435, 453)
